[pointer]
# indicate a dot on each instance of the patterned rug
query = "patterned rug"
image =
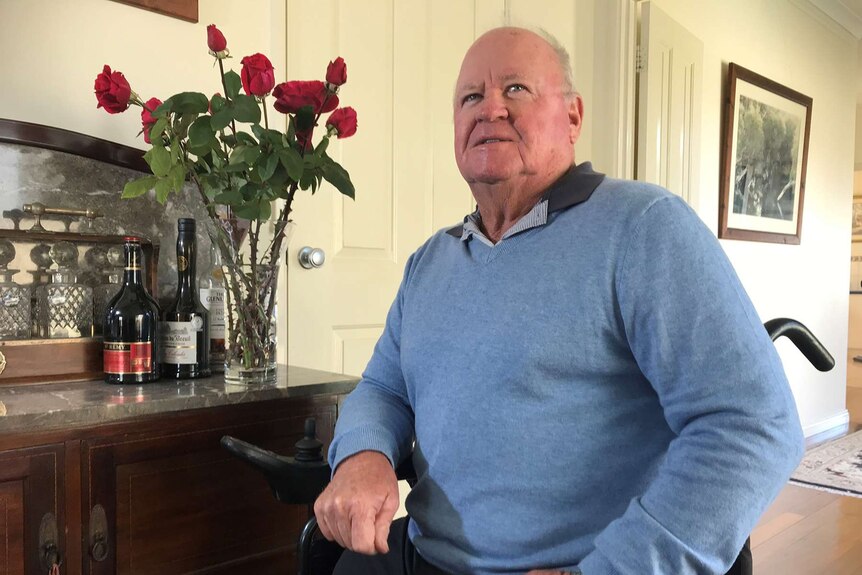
(835, 466)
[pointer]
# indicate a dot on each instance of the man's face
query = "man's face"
(513, 120)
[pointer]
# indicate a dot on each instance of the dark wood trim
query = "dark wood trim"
(183, 9)
(27, 134)
(737, 72)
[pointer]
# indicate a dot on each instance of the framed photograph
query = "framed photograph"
(182, 9)
(857, 219)
(764, 158)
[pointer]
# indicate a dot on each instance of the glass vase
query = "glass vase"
(251, 322)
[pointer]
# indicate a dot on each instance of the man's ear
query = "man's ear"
(576, 117)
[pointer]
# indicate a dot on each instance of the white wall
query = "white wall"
(789, 42)
(53, 50)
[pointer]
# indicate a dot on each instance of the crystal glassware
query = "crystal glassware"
(15, 301)
(65, 307)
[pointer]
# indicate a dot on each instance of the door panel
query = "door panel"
(669, 95)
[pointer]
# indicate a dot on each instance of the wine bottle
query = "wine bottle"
(130, 327)
(185, 323)
(212, 298)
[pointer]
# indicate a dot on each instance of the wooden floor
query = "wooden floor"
(810, 532)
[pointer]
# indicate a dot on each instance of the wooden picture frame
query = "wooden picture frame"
(764, 159)
(183, 9)
(856, 224)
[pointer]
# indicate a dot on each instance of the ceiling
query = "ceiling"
(847, 13)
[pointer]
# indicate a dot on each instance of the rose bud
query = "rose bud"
(147, 116)
(215, 39)
(112, 91)
(336, 72)
(343, 122)
(258, 75)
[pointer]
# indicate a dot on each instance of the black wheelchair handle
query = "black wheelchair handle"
(292, 479)
(802, 337)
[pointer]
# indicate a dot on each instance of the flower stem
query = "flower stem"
(265, 118)
(224, 86)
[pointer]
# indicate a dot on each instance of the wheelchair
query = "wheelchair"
(298, 480)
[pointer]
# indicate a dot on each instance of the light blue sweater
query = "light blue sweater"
(595, 392)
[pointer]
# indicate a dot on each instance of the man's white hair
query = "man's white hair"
(563, 59)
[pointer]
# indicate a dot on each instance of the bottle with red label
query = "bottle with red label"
(131, 326)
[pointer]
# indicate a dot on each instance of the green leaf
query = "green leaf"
(250, 191)
(267, 167)
(246, 109)
(159, 160)
(233, 84)
(292, 162)
(188, 103)
(244, 155)
(139, 187)
(246, 138)
(201, 132)
(158, 128)
(221, 119)
(257, 210)
(321, 147)
(306, 180)
(181, 125)
(249, 211)
(338, 177)
(217, 103)
(229, 197)
(163, 188)
(177, 177)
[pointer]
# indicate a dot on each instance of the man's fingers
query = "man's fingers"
(362, 532)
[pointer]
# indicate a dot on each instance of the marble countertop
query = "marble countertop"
(47, 406)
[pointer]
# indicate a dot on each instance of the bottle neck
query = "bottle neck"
(134, 263)
(186, 264)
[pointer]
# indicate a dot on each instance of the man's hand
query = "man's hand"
(356, 508)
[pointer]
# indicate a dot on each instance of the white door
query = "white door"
(669, 94)
(402, 62)
(402, 59)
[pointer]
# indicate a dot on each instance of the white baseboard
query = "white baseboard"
(842, 419)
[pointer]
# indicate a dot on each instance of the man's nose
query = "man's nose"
(493, 107)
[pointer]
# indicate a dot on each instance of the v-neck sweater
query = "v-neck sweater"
(596, 392)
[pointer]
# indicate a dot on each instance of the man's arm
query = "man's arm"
(374, 432)
(699, 341)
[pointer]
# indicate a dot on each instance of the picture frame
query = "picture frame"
(764, 159)
(856, 226)
(183, 9)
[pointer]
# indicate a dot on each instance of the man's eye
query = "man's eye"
(516, 88)
(470, 98)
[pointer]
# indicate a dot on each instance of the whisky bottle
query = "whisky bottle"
(130, 325)
(185, 323)
(212, 298)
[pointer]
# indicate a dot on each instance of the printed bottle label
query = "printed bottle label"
(179, 342)
(121, 358)
(213, 300)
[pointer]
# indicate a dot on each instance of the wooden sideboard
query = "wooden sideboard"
(133, 480)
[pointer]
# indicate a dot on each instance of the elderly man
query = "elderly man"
(588, 385)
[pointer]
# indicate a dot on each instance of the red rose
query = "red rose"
(336, 72)
(112, 91)
(344, 122)
(147, 116)
(258, 75)
(291, 96)
(215, 39)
